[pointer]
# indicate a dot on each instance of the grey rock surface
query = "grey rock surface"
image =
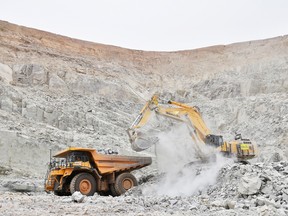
(77, 197)
(249, 184)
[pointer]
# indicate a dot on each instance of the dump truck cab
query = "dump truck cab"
(87, 171)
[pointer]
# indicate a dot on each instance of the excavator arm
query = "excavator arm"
(177, 111)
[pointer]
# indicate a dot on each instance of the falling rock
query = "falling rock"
(249, 184)
(78, 197)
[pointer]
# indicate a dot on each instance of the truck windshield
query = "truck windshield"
(77, 156)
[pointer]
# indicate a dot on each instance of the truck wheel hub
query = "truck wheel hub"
(85, 186)
(127, 184)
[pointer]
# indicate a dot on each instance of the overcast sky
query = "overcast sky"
(153, 24)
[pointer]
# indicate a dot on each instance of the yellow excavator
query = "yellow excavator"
(243, 149)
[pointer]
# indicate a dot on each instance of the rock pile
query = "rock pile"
(252, 188)
(260, 181)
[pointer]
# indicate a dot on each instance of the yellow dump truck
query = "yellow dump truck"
(87, 171)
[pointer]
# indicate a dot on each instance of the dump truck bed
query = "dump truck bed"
(110, 163)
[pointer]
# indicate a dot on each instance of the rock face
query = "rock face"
(29, 74)
(5, 73)
(249, 184)
(57, 92)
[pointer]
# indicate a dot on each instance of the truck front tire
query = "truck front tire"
(83, 182)
(56, 192)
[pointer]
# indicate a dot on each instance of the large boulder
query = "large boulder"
(78, 197)
(249, 184)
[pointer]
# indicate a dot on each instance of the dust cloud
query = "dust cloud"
(178, 159)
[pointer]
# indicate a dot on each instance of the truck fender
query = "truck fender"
(68, 172)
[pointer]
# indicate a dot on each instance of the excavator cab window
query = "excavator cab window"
(238, 136)
(214, 140)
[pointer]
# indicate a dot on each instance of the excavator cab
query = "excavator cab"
(214, 140)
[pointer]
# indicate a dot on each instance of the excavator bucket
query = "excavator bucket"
(144, 139)
(139, 141)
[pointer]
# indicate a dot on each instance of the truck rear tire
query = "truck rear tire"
(84, 183)
(124, 182)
